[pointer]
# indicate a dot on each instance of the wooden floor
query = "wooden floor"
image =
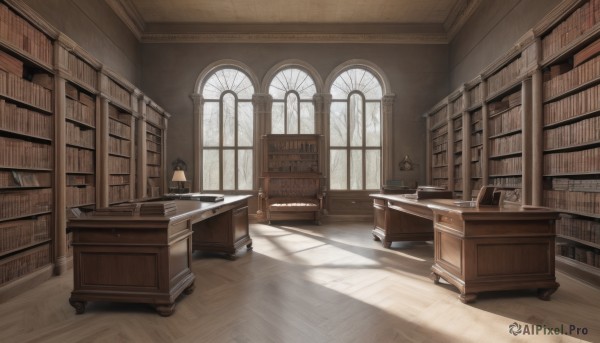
(304, 283)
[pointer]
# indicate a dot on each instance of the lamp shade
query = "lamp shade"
(179, 175)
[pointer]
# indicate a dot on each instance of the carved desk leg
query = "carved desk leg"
(165, 310)
(249, 246)
(78, 305)
(545, 293)
(467, 297)
(190, 289)
(436, 278)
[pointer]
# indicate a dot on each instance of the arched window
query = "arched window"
(293, 112)
(355, 131)
(227, 131)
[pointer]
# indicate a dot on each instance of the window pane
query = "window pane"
(373, 124)
(245, 169)
(228, 79)
(228, 120)
(373, 162)
(210, 169)
(338, 169)
(356, 79)
(356, 120)
(277, 124)
(337, 124)
(228, 169)
(307, 117)
(245, 124)
(356, 164)
(292, 113)
(210, 124)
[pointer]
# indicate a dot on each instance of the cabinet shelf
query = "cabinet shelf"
(508, 154)
(509, 88)
(25, 168)
(26, 104)
(80, 146)
(25, 56)
(581, 241)
(119, 155)
(505, 175)
(25, 216)
(574, 90)
(507, 133)
(573, 174)
(27, 136)
(23, 248)
(118, 136)
(573, 119)
(574, 147)
(80, 123)
(568, 49)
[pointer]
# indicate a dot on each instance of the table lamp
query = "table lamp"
(179, 177)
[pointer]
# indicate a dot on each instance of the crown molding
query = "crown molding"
(127, 12)
(458, 16)
(286, 37)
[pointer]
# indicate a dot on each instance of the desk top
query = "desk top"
(504, 212)
(186, 209)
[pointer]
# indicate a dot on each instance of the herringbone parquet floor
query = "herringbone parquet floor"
(304, 283)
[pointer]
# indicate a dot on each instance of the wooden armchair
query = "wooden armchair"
(292, 198)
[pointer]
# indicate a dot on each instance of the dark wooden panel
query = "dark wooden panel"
(116, 269)
(513, 259)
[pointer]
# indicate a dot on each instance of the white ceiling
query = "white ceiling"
(427, 21)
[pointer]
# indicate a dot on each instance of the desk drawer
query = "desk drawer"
(119, 236)
(449, 220)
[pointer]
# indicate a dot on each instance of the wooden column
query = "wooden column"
(485, 153)
(466, 147)
(450, 144)
(142, 176)
(387, 139)
(165, 177)
(102, 184)
(537, 142)
(198, 104)
(428, 152)
(526, 141)
(60, 185)
(322, 103)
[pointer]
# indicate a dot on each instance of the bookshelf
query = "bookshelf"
(154, 151)
(292, 180)
(438, 130)
(120, 124)
(27, 144)
(570, 135)
(456, 107)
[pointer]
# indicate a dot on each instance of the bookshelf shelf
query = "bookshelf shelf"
(24, 247)
(24, 135)
(567, 50)
(80, 124)
(24, 216)
(507, 133)
(508, 154)
(580, 241)
(24, 56)
(509, 88)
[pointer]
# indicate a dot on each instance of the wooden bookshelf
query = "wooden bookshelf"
(438, 133)
(120, 137)
(456, 107)
(570, 135)
(154, 151)
(292, 181)
(27, 144)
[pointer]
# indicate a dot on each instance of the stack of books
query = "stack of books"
(127, 209)
(158, 208)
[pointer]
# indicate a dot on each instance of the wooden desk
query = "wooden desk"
(147, 259)
(487, 249)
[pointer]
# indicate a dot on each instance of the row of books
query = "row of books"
(80, 112)
(153, 139)
(439, 173)
(80, 136)
(458, 147)
(25, 91)
(457, 123)
(505, 122)
(79, 160)
(477, 139)
(506, 144)
(21, 178)
(582, 161)
(20, 233)
(119, 146)
(152, 116)
(73, 93)
(22, 120)
(506, 166)
(440, 143)
(79, 69)
(458, 185)
(457, 171)
(579, 253)
(572, 106)
(119, 193)
(80, 180)
(577, 24)
(158, 208)
(442, 130)
(581, 132)
(152, 146)
(581, 202)
(476, 153)
(119, 93)
(440, 116)
(119, 115)
(77, 196)
(575, 185)
(119, 129)
(475, 95)
(507, 182)
(153, 171)
(573, 78)
(505, 76)
(476, 184)
(457, 159)
(21, 34)
(152, 157)
(118, 165)
(476, 169)
(25, 154)
(585, 230)
(153, 187)
(292, 146)
(439, 160)
(440, 183)
(457, 105)
(118, 179)
(24, 263)
(25, 202)
(153, 130)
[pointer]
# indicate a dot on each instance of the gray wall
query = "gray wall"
(494, 28)
(96, 28)
(417, 73)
